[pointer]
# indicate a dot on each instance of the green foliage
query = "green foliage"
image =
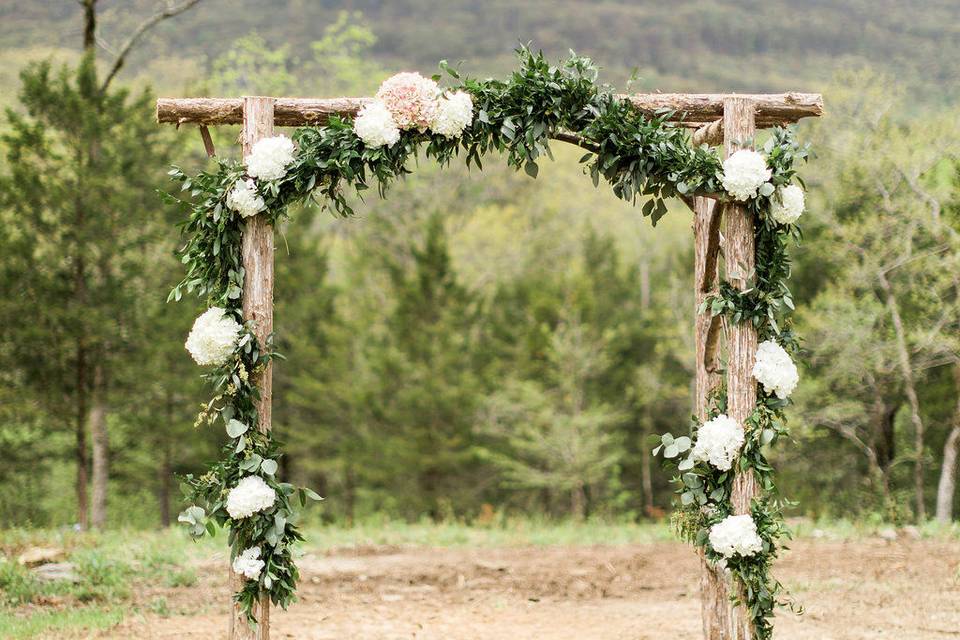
(546, 436)
(248, 452)
(17, 584)
(705, 492)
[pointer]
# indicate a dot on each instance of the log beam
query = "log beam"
(709, 134)
(257, 248)
(739, 260)
(690, 109)
(769, 109)
(714, 593)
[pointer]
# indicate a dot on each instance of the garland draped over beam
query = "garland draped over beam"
(638, 153)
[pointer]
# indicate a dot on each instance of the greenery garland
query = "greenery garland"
(639, 155)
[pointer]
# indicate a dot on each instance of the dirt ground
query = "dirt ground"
(902, 590)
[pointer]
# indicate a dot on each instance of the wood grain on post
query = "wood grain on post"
(714, 591)
(739, 260)
(693, 109)
(257, 306)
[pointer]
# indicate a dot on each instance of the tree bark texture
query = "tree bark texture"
(80, 421)
(100, 439)
(947, 486)
(714, 591)
(257, 306)
(692, 109)
(739, 261)
(910, 390)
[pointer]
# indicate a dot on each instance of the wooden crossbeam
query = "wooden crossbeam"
(692, 109)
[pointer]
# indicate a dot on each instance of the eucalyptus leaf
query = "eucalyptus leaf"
(269, 467)
(235, 428)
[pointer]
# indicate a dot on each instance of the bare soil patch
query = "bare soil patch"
(903, 590)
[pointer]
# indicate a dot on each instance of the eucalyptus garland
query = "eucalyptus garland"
(637, 154)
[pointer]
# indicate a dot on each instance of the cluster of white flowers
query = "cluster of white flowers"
(213, 337)
(455, 113)
(744, 172)
(787, 204)
(410, 101)
(736, 535)
(718, 442)
(270, 157)
(775, 370)
(250, 495)
(244, 198)
(375, 126)
(248, 564)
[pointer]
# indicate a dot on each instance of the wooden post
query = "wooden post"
(739, 261)
(257, 306)
(714, 591)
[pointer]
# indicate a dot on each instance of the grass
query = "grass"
(15, 626)
(114, 565)
(506, 533)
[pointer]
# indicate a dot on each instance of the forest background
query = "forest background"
(482, 344)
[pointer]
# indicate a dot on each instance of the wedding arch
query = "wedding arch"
(745, 206)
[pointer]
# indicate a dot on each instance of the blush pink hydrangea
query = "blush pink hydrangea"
(412, 100)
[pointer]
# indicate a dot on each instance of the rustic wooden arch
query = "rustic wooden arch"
(728, 119)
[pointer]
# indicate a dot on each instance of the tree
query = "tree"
(895, 256)
(548, 435)
(81, 201)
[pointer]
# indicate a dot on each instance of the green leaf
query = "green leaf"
(269, 467)
(531, 169)
(235, 428)
(313, 495)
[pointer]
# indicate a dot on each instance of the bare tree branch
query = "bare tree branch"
(171, 11)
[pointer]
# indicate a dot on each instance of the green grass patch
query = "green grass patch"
(505, 533)
(56, 623)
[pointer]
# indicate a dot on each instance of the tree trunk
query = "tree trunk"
(646, 473)
(881, 446)
(578, 502)
(89, 25)
(257, 306)
(165, 471)
(951, 449)
(81, 436)
(714, 590)
(646, 420)
(349, 492)
(906, 370)
(101, 448)
(739, 260)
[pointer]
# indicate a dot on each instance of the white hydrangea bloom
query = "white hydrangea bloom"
(775, 370)
(744, 172)
(718, 442)
(250, 495)
(270, 157)
(213, 337)
(248, 564)
(375, 125)
(736, 535)
(454, 114)
(244, 198)
(787, 204)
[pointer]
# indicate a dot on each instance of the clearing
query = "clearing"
(905, 589)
